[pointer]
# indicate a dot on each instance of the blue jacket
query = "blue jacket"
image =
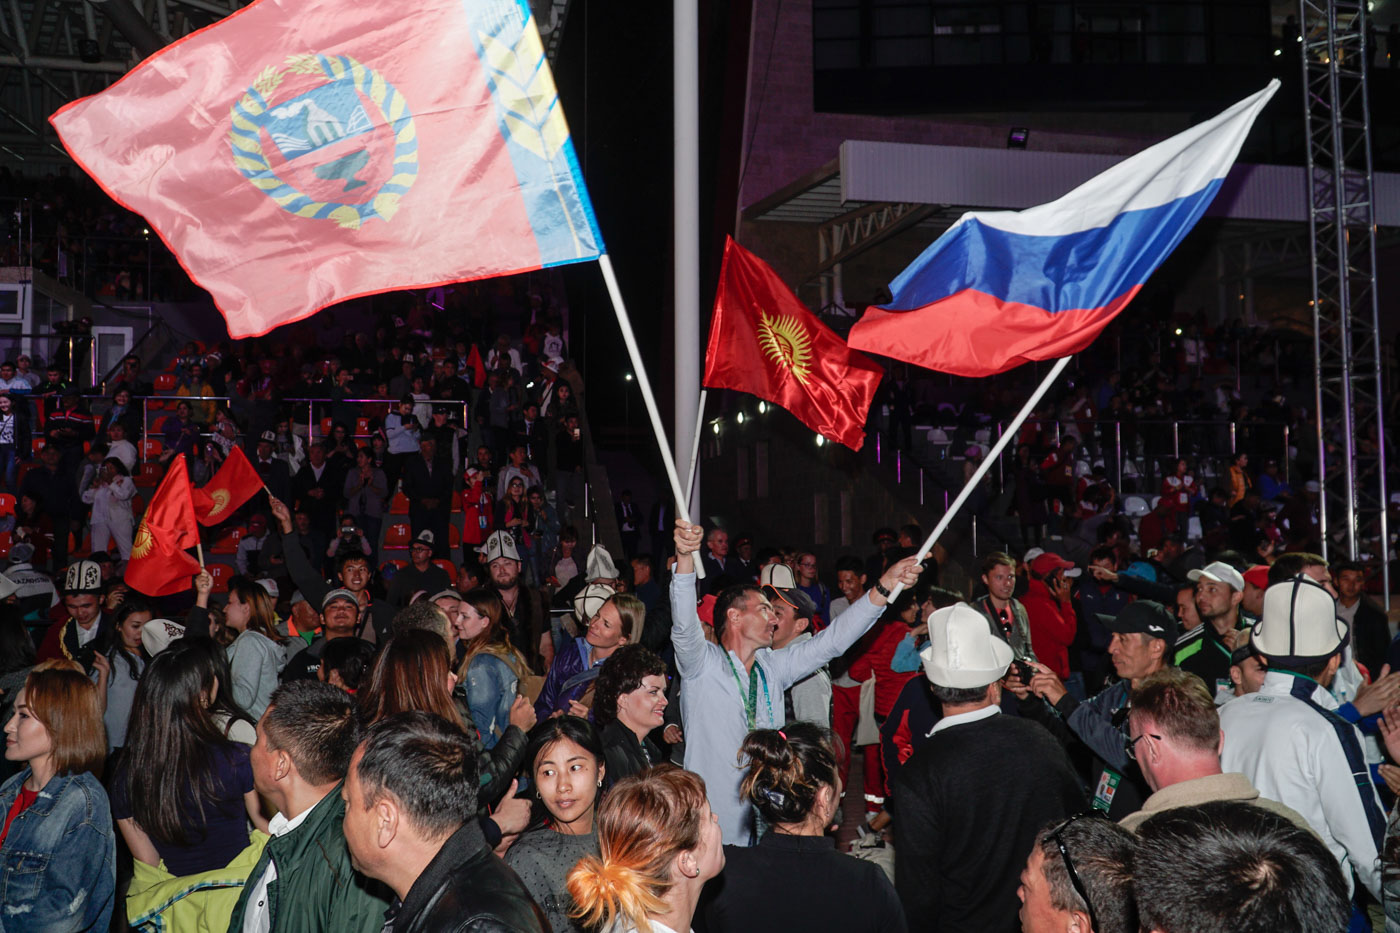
(58, 869)
(569, 664)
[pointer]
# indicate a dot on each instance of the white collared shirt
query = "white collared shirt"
(258, 918)
(947, 722)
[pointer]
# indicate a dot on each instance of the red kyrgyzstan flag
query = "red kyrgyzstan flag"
(236, 482)
(764, 341)
(159, 565)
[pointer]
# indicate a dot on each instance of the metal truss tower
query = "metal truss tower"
(1341, 220)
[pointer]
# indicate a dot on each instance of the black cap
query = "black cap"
(1143, 616)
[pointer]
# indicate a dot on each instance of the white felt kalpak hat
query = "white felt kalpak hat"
(600, 565)
(962, 651)
(590, 599)
(1298, 624)
(499, 545)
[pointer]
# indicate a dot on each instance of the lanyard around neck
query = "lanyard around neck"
(751, 704)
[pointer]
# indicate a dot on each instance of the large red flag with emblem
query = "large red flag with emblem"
(301, 152)
(764, 341)
(236, 482)
(159, 565)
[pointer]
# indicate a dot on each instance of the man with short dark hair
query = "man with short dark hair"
(427, 482)
(1370, 631)
(1002, 609)
(410, 821)
(317, 488)
(972, 799)
(421, 575)
(304, 881)
(353, 573)
(1232, 868)
(1097, 897)
(76, 637)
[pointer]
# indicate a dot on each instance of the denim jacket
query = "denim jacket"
(58, 864)
(491, 686)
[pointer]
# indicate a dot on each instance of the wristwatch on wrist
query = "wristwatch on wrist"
(880, 588)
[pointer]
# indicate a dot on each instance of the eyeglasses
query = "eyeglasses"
(1131, 745)
(1057, 834)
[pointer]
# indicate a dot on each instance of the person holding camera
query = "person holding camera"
(1143, 636)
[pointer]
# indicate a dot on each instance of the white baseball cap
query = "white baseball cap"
(590, 599)
(1220, 572)
(962, 651)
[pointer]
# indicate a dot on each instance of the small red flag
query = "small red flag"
(159, 565)
(236, 482)
(764, 341)
(478, 368)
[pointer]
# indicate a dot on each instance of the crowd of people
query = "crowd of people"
(1204, 743)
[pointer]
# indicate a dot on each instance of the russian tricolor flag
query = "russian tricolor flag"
(1002, 288)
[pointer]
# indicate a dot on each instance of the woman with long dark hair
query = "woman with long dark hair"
(565, 760)
(57, 851)
(118, 670)
(794, 784)
(256, 656)
(183, 789)
(491, 668)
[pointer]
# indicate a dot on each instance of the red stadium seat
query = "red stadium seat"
(5, 540)
(7, 504)
(362, 427)
(221, 574)
(447, 566)
(397, 535)
(148, 474)
(158, 426)
(326, 424)
(399, 504)
(38, 444)
(165, 382)
(151, 449)
(227, 543)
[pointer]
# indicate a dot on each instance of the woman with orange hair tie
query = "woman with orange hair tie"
(659, 844)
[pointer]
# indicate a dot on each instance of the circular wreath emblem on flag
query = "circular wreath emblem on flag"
(145, 541)
(221, 499)
(786, 342)
(326, 138)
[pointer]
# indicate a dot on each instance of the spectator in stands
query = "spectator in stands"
(1370, 631)
(194, 386)
(792, 784)
(15, 440)
(183, 792)
(659, 844)
(304, 745)
(518, 467)
(1079, 877)
(401, 429)
(809, 583)
(421, 575)
(410, 821)
(129, 377)
(346, 663)
(1265, 874)
(57, 844)
(1205, 650)
(339, 617)
(118, 446)
(629, 705)
(316, 490)
(255, 547)
(274, 472)
(568, 466)
(366, 490)
(110, 496)
(180, 434)
(1098, 598)
(565, 760)
(428, 486)
(123, 412)
(24, 371)
(68, 428)
(1240, 481)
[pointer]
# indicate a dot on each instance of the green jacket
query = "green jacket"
(316, 890)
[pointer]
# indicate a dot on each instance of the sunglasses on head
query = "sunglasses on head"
(1057, 834)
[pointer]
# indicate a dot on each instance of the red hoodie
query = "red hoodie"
(876, 660)
(1052, 627)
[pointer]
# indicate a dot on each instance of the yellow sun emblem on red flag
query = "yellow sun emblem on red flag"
(144, 542)
(786, 342)
(220, 498)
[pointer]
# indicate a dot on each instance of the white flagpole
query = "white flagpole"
(630, 340)
(695, 445)
(1007, 434)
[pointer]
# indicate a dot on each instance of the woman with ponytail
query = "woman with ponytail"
(659, 844)
(794, 784)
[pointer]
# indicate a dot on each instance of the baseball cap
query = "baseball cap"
(339, 593)
(778, 583)
(962, 651)
(1299, 624)
(1143, 616)
(449, 593)
(1258, 575)
(1244, 646)
(1047, 563)
(425, 539)
(268, 436)
(1220, 572)
(590, 599)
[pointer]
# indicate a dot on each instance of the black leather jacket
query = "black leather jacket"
(624, 754)
(466, 889)
(498, 764)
